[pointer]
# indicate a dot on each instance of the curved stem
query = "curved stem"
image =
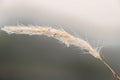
(109, 67)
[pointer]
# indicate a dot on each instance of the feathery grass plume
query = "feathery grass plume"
(60, 35)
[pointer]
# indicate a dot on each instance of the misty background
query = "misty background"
(24, 57)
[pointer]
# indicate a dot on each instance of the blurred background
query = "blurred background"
(24, 57)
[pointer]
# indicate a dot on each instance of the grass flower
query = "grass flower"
(60, 35)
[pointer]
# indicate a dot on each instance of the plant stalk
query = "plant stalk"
(111, 69)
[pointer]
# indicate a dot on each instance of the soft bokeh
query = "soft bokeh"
(39, 57)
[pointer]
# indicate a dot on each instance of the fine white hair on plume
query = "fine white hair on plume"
(60, 35)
